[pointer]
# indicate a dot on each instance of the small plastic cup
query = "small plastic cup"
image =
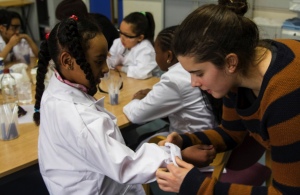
(113, 96)
(8, 122)
(33, 75)
(24, 92)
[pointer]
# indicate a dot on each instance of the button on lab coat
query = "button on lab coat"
(81, 150)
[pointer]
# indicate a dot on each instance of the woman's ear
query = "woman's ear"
(67, 61)
(231, 61)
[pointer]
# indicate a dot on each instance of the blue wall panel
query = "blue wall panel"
(101, 6)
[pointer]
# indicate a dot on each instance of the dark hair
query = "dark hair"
(165, 38)
(68, 35)
(143, 23)
(7, 16)
(212, 31)
(240, 7)
(109, 30)
(66, 8)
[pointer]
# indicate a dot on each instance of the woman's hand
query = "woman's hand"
(170, 179)
(199, 155)
(174, 138)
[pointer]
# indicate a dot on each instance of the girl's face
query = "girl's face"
(128, 38)
(208, 77)
(96, 57)
(161, 57)
(14, 28)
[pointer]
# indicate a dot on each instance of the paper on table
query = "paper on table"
(28, 117)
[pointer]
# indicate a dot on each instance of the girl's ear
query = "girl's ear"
(170, 56)
(141, 37)
(66, 61)
(231, 61)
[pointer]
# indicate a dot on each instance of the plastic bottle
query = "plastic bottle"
(25, 51)
(9, 87)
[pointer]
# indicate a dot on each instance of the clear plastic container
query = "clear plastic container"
(9, 87)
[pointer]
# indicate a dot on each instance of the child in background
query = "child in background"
(80, 147)
(66, 8)
(10, 37)
(184, 105)
(133, 52)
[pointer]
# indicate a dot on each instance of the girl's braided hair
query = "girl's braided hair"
(71, 35)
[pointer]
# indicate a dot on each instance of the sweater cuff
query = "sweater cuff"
(192, 182)
(186, 141)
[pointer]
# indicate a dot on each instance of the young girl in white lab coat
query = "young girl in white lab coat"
(133, 52)
(80, 147)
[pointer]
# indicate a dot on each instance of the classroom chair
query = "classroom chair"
(242, 166)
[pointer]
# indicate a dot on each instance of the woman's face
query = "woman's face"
(96, 57)
(161, 57)
(128, 38)
(208, 77)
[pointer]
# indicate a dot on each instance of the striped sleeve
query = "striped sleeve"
(231, 131)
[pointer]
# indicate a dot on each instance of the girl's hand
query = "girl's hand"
(174, 138)
(119, 68)
(141, 94)
(170, 179)
(199, 155)
(14, 40)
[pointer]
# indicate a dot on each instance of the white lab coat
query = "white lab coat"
(81, 150)
(16, 51)
(175, 98)
(139, 60)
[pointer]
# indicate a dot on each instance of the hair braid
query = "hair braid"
(165, 38)
(44, 58)
(77, 51)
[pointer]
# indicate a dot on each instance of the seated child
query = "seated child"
(66, 8)
(133, 52)
(11, 39)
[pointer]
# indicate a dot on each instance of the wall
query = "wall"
(269, 15)
(156, 7)
(171, 12)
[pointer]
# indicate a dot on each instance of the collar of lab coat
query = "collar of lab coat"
(68, 93)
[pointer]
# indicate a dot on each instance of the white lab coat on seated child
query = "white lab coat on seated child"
(175, 98)
(16, 51)
(81, 149)
(138, 62)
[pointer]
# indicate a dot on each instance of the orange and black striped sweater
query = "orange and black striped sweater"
(273, 118)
